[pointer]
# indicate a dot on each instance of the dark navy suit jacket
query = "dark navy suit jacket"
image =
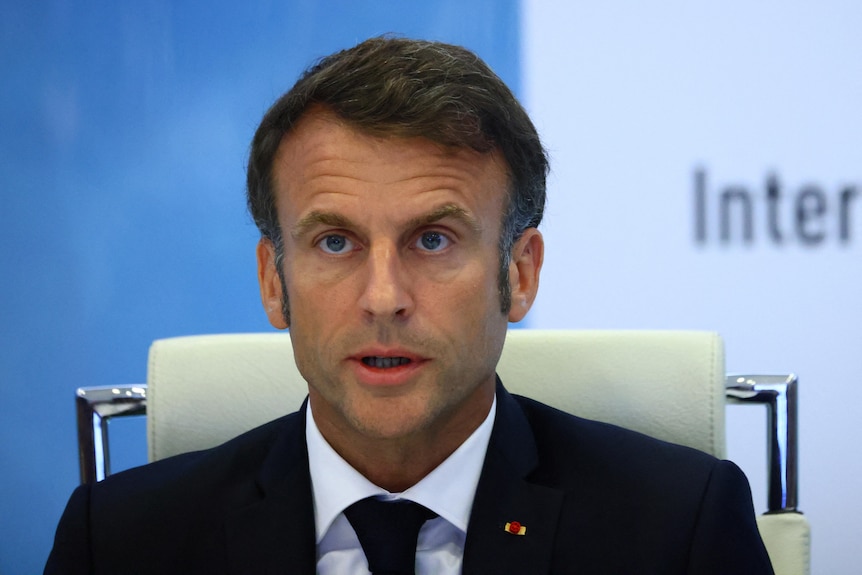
(593, 498)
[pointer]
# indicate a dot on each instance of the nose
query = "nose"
(386, 293)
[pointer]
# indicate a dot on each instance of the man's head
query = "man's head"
(397, 187)
(393, 87)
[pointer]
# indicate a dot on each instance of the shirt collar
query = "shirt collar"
(448, 490)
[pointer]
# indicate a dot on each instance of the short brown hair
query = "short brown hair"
(389, 86)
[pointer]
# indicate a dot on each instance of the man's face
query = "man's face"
(391, 264)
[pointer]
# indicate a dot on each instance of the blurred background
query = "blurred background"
(706, 175)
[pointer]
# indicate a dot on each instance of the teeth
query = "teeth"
(384, 362)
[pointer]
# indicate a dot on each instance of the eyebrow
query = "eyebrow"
(443, 212)
(315, 218)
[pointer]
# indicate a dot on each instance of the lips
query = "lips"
(384, 366)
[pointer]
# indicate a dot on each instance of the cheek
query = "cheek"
(316, 287)
(309, 272)
(471, 298)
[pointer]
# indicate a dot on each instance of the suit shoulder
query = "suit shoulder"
(622, 489)
(229, 470)
(178, 508)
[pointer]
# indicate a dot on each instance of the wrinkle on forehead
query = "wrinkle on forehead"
(324, 135)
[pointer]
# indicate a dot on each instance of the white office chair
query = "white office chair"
(204, 390)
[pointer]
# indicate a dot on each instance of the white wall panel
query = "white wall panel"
(632, 98)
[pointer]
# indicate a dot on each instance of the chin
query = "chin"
(391, 420)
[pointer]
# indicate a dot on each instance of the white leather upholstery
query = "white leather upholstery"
(787, 537)
(204, 390)
(667, 384)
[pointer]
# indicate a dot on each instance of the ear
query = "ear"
(270, 283)
(524, 269)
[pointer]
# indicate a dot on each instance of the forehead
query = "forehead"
(324, 154)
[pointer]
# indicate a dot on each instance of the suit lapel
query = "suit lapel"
(276, 533)
(504, 495)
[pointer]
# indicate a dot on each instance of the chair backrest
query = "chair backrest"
(203, 390)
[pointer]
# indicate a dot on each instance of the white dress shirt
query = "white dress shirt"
(448, 491)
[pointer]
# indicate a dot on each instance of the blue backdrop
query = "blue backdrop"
(123, 140)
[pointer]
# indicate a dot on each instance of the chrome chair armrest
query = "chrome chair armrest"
(95, 406)
(780, 395)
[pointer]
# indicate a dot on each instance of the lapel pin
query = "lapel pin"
(515, 528)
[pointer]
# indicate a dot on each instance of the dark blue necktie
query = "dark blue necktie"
(388, 531)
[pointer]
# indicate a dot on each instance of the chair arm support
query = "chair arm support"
(780, 395)
(95, 406)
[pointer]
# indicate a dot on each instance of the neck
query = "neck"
(400, 461)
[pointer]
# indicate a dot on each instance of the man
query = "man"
(397, 187)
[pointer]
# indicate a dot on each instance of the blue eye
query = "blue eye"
(335, 244)
(433, 241)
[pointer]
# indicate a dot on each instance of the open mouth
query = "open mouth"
(384, 362)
